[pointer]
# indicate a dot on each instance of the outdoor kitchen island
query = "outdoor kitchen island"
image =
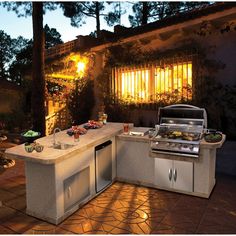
(189, 175)
(58, 182)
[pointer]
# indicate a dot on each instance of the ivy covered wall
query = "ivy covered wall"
(214, 73)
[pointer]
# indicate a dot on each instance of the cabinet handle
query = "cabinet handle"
(175, 175)
(69, 193)
(170, 174)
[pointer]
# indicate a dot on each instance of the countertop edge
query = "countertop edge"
(65, 156)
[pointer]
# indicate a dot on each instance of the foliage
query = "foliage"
(16, 119)
(8, 49)
(145, 12)
(218, 100)
(52, 37)
(36, 9)
(79, 11)
(17, 57)
(82, 101)
(24, 8)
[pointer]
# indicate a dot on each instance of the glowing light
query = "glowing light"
(140, 85)
(80, 67)
(61, 76)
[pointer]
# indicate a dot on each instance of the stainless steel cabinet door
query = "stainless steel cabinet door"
(163, 172)
(103, 166)
(76, 188)
(183, 176)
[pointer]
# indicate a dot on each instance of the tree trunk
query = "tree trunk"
(38, 83)
(97, 12)
(145, 11)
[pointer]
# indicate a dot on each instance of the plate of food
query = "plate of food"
(76, 129)
(92, 124)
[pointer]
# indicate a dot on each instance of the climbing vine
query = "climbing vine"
(219, 100)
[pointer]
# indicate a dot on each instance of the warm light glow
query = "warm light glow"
(61, 76)
(80, 63)
(139, 85)
(175, 77)
(135, 85)
(80, 67)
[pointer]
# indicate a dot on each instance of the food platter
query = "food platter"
(190, 136)
(76, 129)
(91, 124)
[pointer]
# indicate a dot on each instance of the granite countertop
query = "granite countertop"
(135, 138)
(207, 145)
(146, 138)
(50, 155)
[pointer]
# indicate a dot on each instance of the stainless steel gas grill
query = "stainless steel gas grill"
(179, 131)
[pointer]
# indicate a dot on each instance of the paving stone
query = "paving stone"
(6, 213)
(6, 195)
(18, 203)
(125, 209)
(4, 230)
(21, 223)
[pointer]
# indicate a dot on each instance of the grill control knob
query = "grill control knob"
(191, 147)
(167, 144)
(179, 146)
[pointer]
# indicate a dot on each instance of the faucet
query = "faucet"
(54, 135)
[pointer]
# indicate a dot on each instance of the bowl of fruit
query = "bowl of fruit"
(30, 136)
(92, 124)
(76, 129)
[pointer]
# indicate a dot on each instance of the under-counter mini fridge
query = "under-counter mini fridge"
(103, 165)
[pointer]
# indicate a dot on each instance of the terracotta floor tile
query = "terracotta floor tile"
(125, 209)
(4, 230)
(74, 220)
(18, 203)
(6, 213)
(87, 226)
(120, 231)
(170, 229)
(216, 229)
(180, 221)
(21, 223)
(59, 230)
(101, 227)
(220, 218)
(133, 228)
(146, 227)
(6, 195)
(14, 187)
(42, 228)
(76, 228)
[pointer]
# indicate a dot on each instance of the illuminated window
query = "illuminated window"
(175, 78)
(151, 83)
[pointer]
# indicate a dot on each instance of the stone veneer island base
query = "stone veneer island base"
(58, 182)
(193, 176)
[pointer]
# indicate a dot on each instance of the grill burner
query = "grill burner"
(179, 131)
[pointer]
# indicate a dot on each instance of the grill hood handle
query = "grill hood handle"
(187, 106)
(181, 106)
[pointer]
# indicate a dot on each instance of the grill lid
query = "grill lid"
(179, 131)
(182, 114)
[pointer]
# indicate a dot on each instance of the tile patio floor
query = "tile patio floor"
(124, 209)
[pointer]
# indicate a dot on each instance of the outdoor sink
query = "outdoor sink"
(62, 146)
